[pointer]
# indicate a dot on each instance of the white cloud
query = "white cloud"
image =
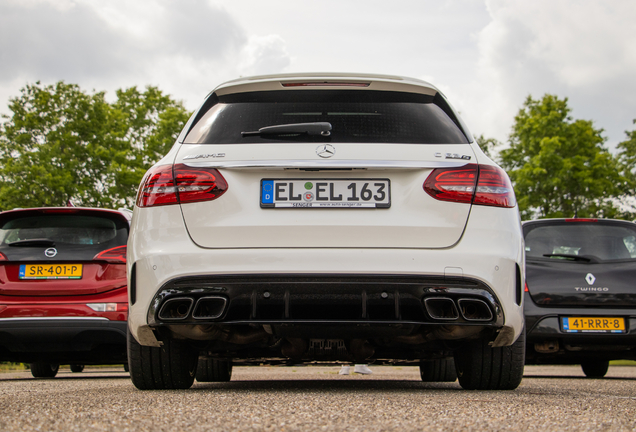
(264, 55)
(581, 49)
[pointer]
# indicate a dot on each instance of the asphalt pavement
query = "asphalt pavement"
(318, 399)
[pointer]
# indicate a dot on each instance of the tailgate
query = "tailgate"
(412, 218)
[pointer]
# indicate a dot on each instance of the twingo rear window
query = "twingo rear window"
(595, 239)
(356, 116)
(65, 229)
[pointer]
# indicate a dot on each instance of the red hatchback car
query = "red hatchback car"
(63, 294)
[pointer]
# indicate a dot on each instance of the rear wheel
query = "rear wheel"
(214, 370)
(44, 370)
(595, 368)
(438, 370)
(171, 366)
(481, 367)
(77, 368)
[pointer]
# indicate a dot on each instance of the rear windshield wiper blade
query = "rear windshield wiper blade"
(570, 256)
(33, 242)
(316, 128)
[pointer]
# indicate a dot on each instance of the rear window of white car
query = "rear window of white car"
(361, 116)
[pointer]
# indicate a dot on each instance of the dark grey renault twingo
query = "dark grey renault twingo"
(580, 303)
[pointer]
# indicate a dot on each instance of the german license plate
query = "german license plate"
(51, 271)
(325, 193)
(593, 324)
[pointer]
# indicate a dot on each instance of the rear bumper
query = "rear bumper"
(548, 343)
(86, 340)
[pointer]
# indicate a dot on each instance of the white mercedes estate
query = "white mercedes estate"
(326, 218)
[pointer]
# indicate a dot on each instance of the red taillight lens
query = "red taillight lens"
(114, 255)
(157, 188)
(494, 188)
(479, 184)
(192, 185)
(526, 288)
(3, 257)
(198, 184)
(452, 184)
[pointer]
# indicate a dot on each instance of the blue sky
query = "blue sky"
(487, 56)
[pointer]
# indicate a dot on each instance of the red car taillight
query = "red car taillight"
(162, 186)
(480, 184)
(3, 257)
(113, 255)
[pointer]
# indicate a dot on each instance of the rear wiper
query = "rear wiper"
(316, 128)
(570, 256)
(33, 242)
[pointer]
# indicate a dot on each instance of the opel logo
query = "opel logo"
(589, 278)
(50, 252)
(325, 150)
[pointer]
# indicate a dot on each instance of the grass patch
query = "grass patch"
(8, 366)
(623, 363)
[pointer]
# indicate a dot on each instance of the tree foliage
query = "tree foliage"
(559, 166)
(488, 145)
(63, 144)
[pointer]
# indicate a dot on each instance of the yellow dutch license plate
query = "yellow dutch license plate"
(593, 324)
(51, 271)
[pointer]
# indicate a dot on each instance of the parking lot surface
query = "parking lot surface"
(317, 398)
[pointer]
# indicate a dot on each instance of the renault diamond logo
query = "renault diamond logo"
(50, 252)
(325, 150)
(589, 278)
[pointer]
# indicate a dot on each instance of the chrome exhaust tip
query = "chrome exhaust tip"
(211, 307)
(175, 309)
(475, 310)
(441, 308)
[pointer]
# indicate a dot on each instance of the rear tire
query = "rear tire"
(77, 368)
(481, 367)
(44, 370)
(171, 366)
(438, 370)
(595, 368)
(214, 370)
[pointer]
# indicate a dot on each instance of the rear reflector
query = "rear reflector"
(480, 184)
(113, 255)
(108, 307)
(160, 186)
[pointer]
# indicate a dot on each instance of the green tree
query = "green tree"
(488, 145)
(63, 144)
(559, 166)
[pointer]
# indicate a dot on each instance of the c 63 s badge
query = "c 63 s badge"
(204, 156)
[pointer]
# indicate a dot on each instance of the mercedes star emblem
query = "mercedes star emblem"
(325, 150)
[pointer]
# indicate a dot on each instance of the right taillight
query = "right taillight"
(184, 184)
(480, 184)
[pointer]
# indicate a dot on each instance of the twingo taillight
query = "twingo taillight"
(3, 257)
(187, 185)
(112, 255)
(198, 184)
(480, 184)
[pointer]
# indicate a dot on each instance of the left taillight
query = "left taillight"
(184, 184)
(3, 257)
(112, 255)
(480, 184)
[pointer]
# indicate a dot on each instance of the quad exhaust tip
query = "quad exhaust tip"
(176, 309)
(474, 310)
(441, 308)
(209, 307)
